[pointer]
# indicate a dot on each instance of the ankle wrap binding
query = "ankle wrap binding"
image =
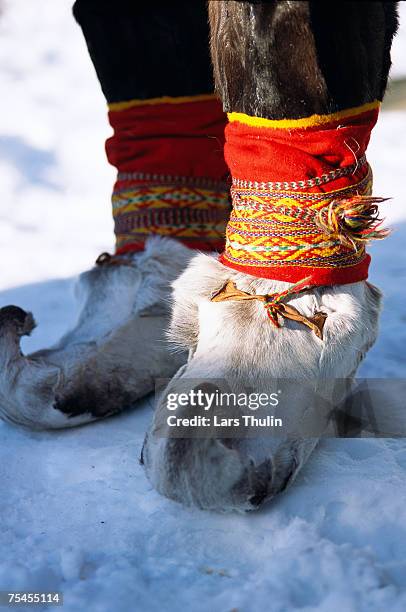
(171, 171)
(301, 197)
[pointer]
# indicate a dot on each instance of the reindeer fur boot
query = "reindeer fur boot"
(112, 356)
(235, 340)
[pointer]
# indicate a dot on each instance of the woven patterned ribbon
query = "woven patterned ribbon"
(327, 230)
(193, 214)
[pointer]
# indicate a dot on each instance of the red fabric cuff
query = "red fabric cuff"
(171, 171)
(301, 196)
(177, 139)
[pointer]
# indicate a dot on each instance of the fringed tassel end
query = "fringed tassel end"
(354, 221)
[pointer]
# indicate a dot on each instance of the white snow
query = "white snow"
(77, 513)
(399, 47)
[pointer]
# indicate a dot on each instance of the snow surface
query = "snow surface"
(76, 511)
(399, 46)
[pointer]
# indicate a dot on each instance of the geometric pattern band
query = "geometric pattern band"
(191, 214)
(281, 229)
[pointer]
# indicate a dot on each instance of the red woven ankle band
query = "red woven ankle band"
(301, 197)
(171, 171)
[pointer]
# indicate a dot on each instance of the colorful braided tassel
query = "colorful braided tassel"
(353, 221)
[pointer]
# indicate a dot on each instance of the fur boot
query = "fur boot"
(236, 340)
(112, 356)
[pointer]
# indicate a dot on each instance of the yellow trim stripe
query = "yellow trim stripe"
(119, 106)
(305, 122)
